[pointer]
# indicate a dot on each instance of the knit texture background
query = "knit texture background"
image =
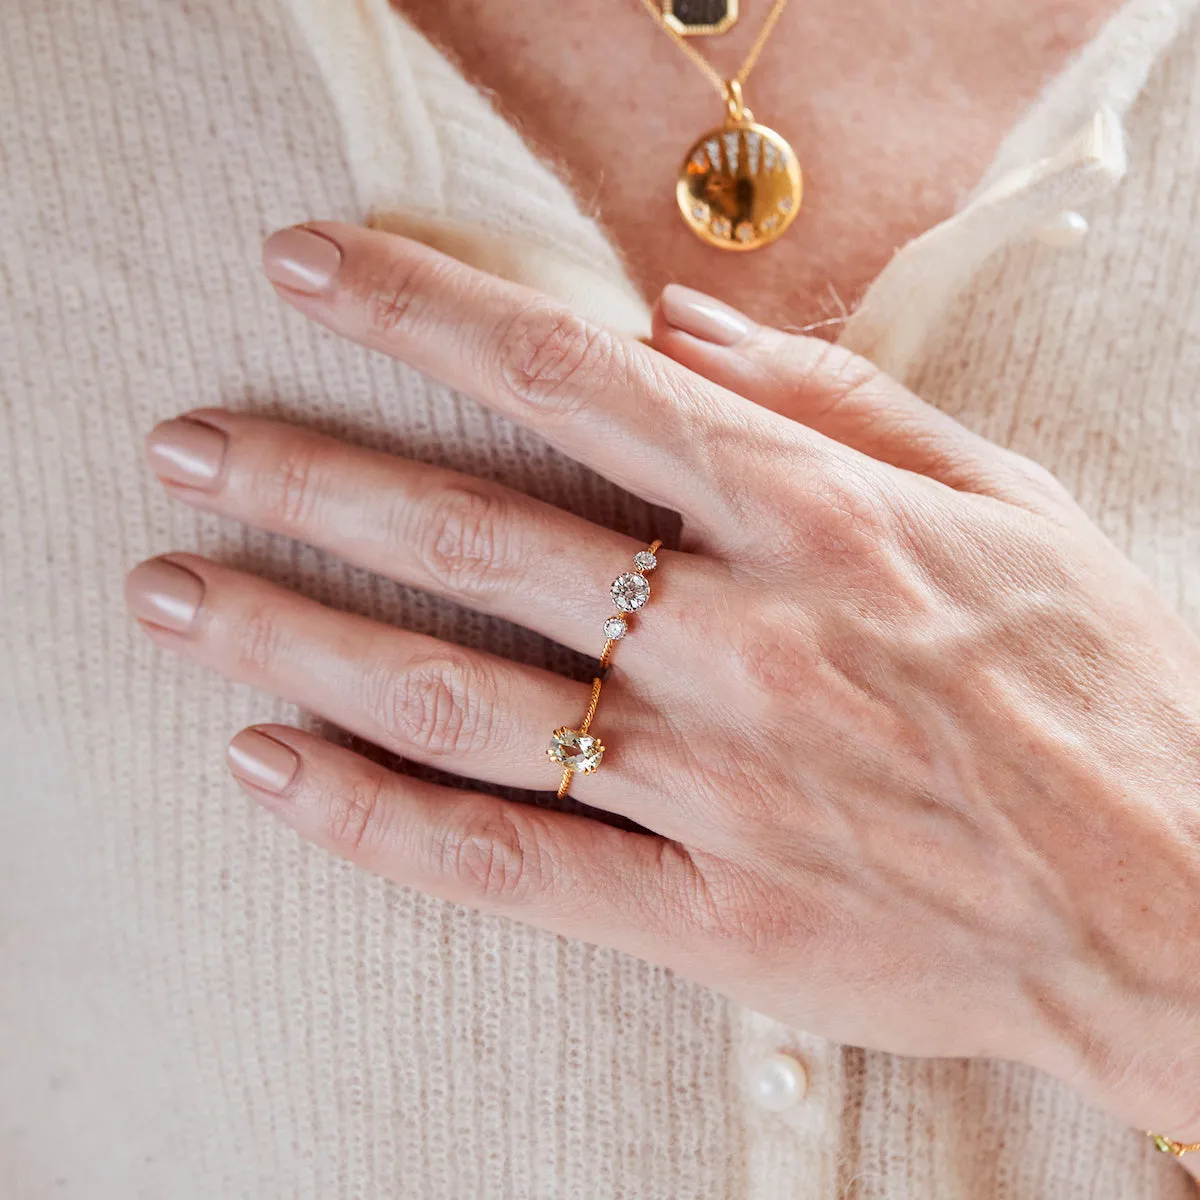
(193, 1003)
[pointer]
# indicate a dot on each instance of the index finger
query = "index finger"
(632, 414)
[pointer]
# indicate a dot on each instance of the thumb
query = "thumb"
(844, 397)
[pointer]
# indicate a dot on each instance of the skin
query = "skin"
(916, 766)
(894, 109)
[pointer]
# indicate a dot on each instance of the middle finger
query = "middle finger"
(472, 541)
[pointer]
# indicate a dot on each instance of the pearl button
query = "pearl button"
(777, 1082)
(1066, 230)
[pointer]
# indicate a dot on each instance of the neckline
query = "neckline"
(415, 127)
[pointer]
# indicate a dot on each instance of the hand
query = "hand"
(917, 752)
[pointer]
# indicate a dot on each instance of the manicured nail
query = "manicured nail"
(187, 452)
(302, 260)
(262, 761)
(164, 594)
(703, 317)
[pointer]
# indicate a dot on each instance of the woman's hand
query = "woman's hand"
(916, 750)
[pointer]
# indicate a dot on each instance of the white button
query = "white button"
(1066, 230)
(777, 1082)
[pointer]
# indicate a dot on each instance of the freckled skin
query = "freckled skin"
(895, 111)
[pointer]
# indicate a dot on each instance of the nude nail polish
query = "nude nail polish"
(262, 761)
(162, 593)
(703, 317)
(187, 452)
(302, 259)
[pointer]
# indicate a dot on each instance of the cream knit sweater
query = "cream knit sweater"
(196, 1006)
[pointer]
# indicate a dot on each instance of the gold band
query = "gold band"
(576, 750)
(568, 772)
(1171, 1146)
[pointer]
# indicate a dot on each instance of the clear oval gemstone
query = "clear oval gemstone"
(644, 560)
(615, 628)
(630, 591)
(579, 751)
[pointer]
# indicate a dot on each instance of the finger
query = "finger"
(562, 872)
(475, 542)
(605, 400)
(844, 397)
(460, 710)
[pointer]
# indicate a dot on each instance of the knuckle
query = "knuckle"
(842, 522)
(261, 641)
(440, 707)
(551, 357)
(391, 298)
(825, 376)
(354, 817)
(290, 487)
(721, 902)
(772, 653)
(495, 855)
(464, 539)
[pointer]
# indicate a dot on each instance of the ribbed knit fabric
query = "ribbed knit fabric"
(194, 1004)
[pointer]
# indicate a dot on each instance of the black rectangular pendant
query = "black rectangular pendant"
(690, 17)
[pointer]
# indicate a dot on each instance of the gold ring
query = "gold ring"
(576, 750)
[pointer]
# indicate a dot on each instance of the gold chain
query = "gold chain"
(1171, 1146)
(711, 73)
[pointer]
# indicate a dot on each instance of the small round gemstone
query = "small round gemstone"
(579, 751)
(700, 211)
(721, 227)
(645, 560)
(744, 232)
(615, 628)
(630, 591)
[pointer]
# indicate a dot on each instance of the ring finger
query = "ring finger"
(460, 710)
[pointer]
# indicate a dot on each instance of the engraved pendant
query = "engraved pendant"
(691, 17)
(740, 186)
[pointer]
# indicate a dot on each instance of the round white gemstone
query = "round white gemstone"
(744, 232)
(630, 591)
(777, 1082)
(579, 751)
(615, 628)
(644, 560)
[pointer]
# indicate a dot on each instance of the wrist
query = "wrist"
(1120, 1021)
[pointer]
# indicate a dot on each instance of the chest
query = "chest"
(894, 111)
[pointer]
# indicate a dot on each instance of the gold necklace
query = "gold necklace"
(740, 185)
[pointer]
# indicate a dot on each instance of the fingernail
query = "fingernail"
(262, 761)
(703, 317)
(187, 452)
(164, 594)
(302, 260)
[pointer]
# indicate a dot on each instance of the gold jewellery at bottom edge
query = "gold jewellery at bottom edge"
(1171, 1146)
(576, 750)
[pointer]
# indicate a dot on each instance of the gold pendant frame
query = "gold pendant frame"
(740, 186)
(727, 22)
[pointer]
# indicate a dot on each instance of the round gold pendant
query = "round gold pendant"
(740, 186)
